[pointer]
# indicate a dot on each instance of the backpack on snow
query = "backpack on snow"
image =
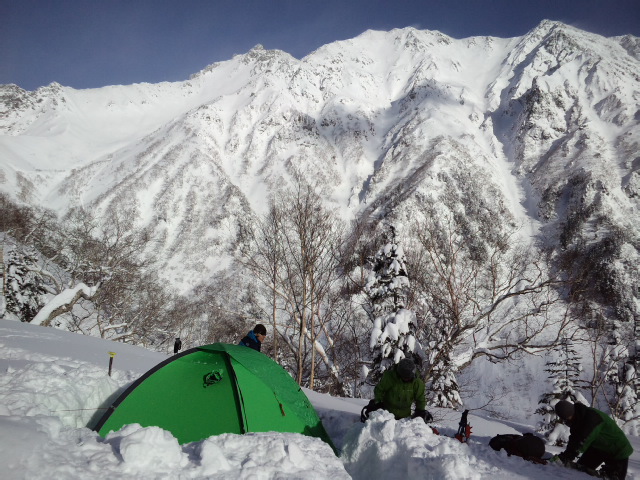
(527, 446)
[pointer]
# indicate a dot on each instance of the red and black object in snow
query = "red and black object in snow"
(464, 429)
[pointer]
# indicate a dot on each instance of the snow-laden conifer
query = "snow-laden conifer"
(564, 372)
(393, 332)
(25, 288)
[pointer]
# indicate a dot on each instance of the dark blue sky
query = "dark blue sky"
(93, 43)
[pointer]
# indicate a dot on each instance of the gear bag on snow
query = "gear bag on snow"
(527, 446)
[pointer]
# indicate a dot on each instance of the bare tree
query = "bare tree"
(263, 255)
(479, 293)
(311, 236)
(98, 267)
(293, 252)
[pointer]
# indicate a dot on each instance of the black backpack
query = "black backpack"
(527, 446)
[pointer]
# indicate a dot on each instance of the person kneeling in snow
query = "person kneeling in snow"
(396, 392)
(595, 435)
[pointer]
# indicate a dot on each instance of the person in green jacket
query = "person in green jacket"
(597, 437)
(398, 389)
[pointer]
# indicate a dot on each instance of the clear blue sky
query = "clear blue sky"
(93, 43)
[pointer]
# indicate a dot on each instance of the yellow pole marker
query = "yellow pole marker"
(111, 355)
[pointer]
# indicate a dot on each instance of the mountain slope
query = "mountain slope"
(545, 124)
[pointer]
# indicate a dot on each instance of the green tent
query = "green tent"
(215, 389)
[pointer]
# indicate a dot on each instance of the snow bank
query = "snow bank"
(384, 448)
(52, 383)
(42, 447)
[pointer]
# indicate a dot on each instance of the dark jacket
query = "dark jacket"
(527, 446)
(251, 341)
(592, 428)
(397, 396)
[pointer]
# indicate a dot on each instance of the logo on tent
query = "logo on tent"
(211, 378)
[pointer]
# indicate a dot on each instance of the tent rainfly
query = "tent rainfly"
(215, 389)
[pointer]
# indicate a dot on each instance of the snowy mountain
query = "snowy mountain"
(543, 128)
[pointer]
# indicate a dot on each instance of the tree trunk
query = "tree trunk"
(62, 303)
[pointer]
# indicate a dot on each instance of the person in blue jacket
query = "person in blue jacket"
(255, 337)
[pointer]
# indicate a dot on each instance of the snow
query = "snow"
(53, 383)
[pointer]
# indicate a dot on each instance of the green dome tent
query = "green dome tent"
(215, 389)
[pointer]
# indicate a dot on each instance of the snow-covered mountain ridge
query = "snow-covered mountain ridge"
(543, 128)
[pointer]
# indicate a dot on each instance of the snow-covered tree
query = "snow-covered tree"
(621, 377)
(387, 282)
(564, 372)
(443, 390)
(627, 408)
(629, 394)
(612, 382)
(393, 333)
(25, 287)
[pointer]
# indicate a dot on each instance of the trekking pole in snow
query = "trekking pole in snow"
(111, 355)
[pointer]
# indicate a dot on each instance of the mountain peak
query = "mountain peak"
(631, 44)
(547, 28)
(260, 54)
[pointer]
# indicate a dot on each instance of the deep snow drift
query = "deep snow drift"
(52, 384)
